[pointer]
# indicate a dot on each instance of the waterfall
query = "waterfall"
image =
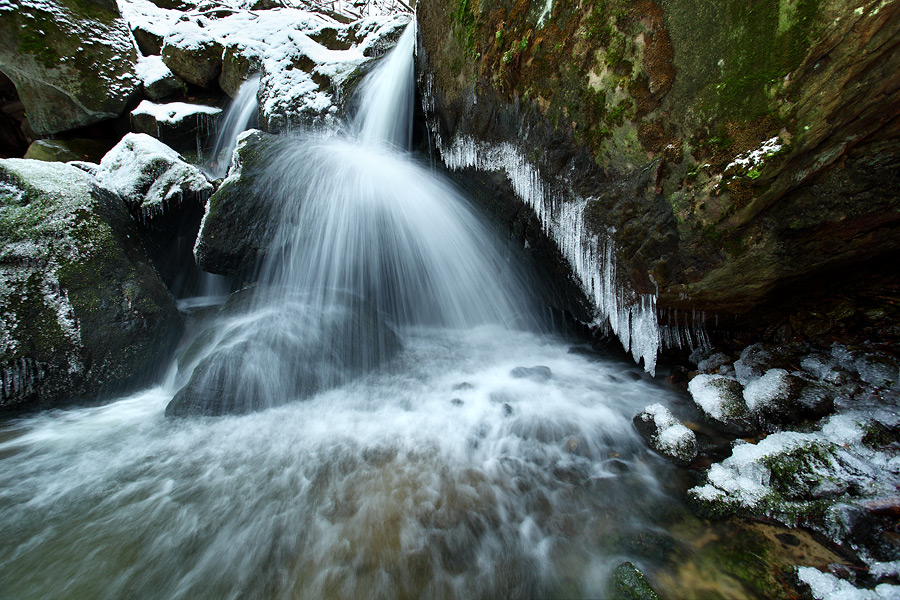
(369, 243)
(387, 96)
(240, 116)
(444, 446)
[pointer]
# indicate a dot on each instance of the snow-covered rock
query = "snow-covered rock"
(72, 62)
(721, 398)
(825, 586)
(193, 52)
(666, 435)
(306, 60)
(151, 177)
(82, 310)
(181, 125)
(158, 80)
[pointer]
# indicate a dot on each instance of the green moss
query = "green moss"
(464, 17)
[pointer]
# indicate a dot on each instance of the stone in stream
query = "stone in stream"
(628, 583)
(83, 310)
(721, 399)
(666, 435)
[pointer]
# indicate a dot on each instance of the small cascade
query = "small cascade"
(240, 116)
(386, 100)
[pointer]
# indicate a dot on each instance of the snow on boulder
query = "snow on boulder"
(82, 310)
(721, 398)
(158, 80)
(72, 62)
(666, 435)
(151, 177)
(180, 125)
(192, 51)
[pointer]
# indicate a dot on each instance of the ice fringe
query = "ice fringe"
(632, 317)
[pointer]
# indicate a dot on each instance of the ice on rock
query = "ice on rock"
(667, 435)
(770, 390)
(825, 586)
(719, 396)
(632, 317)
(712, 364)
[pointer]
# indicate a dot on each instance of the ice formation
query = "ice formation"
(632, 317)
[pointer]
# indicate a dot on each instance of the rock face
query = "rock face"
(72, 62)
(268, 348)
(234, 237)
(83, 311)
(727, 151)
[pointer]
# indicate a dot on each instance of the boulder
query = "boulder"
(72, 62)
(181, 125)
(240, 61)
(721, 398)
(83, 310)
(734, 154)
(193, 53)
(158, 80)
(268, 347)
(151, 177)
(666, 435)
(234, 237)
(67, 150)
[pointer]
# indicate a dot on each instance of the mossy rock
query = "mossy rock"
(84, 311)
(67, 150)
(72, 62)
(235, 235)
(628, 583)
(195, 58)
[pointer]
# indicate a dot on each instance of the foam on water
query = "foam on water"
(397, 485)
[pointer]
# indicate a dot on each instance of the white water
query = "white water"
(440, 474)
(241, 114)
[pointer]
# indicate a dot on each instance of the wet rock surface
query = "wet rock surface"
(713, 161)
(312, 348)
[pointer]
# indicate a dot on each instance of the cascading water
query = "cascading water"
(240, 116)
(484, 459)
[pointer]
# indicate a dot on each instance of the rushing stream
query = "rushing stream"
(455, 469)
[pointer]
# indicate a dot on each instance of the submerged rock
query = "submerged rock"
(628, 583)
(270, 347)
(539, 373)
(73, 62)
(83, 310)
(666, 435)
